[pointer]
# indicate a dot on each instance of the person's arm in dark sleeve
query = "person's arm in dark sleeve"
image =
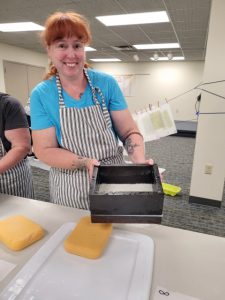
(16, 134)
(20, 146)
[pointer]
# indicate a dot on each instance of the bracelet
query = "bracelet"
(133, 132)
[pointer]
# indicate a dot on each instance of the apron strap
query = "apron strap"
(92, 88)
(59, 88)
(104, 108)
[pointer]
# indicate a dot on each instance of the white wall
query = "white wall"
(210, 141)
(156, 81)
(163, 79)
(19, 55)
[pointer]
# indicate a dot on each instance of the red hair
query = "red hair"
(65, 24)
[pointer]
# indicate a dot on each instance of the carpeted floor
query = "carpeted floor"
(175, 154)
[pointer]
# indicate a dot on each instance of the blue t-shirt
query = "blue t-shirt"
(44, 100)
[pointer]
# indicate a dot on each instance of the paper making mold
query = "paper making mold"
(129, 193)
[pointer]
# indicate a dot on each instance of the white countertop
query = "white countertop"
(186, 262)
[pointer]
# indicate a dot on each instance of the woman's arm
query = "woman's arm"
(20, 147)
(46, 148)
(129, 134)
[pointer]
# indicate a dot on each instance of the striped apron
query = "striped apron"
(86, 132)
(16, 181)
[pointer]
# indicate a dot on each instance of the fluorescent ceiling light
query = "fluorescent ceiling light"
(166, 58)
(105, 59)
(22, 26)
(138, 18)
(178, 58)
(157, 46)
(89, 49)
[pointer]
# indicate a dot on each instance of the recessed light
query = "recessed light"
(105, 59)
(157, 46)
(166, 58)
(21, 26)
(88, 49)
(178, 58)
(137, 18)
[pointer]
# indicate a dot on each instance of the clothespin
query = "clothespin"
(137, 111)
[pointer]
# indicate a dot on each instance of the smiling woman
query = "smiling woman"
(78, 114)
(61, 28)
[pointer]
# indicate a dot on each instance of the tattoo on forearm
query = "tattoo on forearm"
(79, 163)
(129, 146)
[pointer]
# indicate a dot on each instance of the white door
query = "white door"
(20, 79)
(15, 75)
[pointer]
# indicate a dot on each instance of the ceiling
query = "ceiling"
(188, 26)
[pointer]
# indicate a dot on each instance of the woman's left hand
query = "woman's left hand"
(149, 162)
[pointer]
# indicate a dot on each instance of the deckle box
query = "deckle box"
(130, 193)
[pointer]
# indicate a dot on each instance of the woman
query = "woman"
(77, 114)
(15, 173)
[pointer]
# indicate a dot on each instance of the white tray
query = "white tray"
(124, 271)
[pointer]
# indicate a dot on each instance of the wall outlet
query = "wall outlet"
(208, 169)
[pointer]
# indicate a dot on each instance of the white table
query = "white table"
(186, 262)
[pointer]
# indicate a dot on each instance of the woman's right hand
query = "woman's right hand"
(85, 163)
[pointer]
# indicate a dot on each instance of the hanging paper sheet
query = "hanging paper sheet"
(156, 123)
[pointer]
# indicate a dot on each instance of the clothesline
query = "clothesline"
(199, 88)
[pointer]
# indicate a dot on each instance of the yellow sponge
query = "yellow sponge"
(18, 232)
(170, 189)
(88, 239)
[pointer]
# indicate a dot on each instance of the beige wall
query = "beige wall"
(210, 141)
(156, 81)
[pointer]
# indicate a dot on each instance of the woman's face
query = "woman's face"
(68, 56)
